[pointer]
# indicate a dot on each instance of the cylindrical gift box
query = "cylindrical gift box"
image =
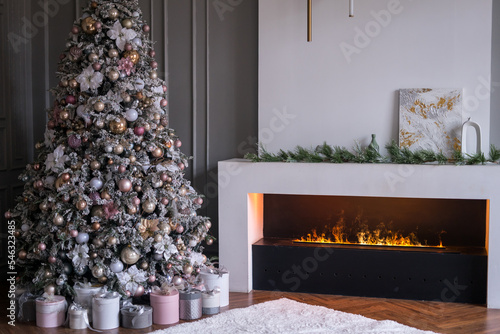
(51, 312)
(211, 303)
(190, 305)
(84, 294)
(137, 316)
(212, 279)
(78, 318)
(106, 311)
(165, 307)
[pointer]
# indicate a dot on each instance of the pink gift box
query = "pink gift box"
(165, 307)
(51, 313)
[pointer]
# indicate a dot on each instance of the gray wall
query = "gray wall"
(495, 77)
(206, 50)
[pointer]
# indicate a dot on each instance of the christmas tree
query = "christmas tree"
(106, 200)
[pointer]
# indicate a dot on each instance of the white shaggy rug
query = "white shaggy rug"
(290, 317)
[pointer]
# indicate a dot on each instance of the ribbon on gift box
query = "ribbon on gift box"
(83, 310)
(221, 270)
(50, 298)
(105, 294)
(164, 289)
(138, 309)
(23, 299)
(211, 292)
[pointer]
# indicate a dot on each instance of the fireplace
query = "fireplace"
(411, 248)
(243, 187)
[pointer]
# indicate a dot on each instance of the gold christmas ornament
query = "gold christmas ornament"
(95, 165)
(132, 159)
(64, 115)
(118, 149)
(81, 205)
(113, 13)
(50, 289)
(133, 55)
(22, 254)
(118, 126)
(97, 271)
(113, 53)
(73, 83)
(89, 25)
(148, 207)
(96, 226)
(144, 265)
(127, 23)
(105, 195)
(165, 227)
(102, 279)
(158, 238)
(58, 220)
(113, 75)
(132, 210)
(112, 241)
(97, 242)
(157, 152)
(129, 255)
(99, 106)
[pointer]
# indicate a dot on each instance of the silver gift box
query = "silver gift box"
(190, 305)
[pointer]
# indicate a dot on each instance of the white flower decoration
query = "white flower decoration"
(129, 279)
(48, 137)
(90, 79)
(171, 250)
(55, 161)
(196, 258)
(121, 35)
(79, 255)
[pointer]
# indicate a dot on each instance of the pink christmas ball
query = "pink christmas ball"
(180, 229)
(128, 294)
(146, 28)
(139, 131)
(163, 103)
(178, 257)
(51, 125)
(75, 30)
(136, 201)
(164, 201)
(96, 66)
(74, 141)
(177, 143)
(154, 64)
(139, 291)
(152, 278)
(199, 201)
(128, 47)
(164, 89)
(42, 246)
(152, 53)
(125, 185)
(98, 25)
(164, 177)
(73, 233)
(52, 259)
(8, 215)
(181, 166)
(122, 169)
(70, 99)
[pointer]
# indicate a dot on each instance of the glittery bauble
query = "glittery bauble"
(95, 165)
(133, 55)
(97, 271)
(99, 123)
(129, 255)
(139, 291)
(127, 23)
(157, 152)
(113, 53)
(113, 75)
(116, 267)
(188, 269)
(152, 53)
(74, 142)
(148, 207)
(88, 25)
(154, 64)
(58, 220)
(183, 191)
(50, 290)
(99, 106)
(22, 254)
(125, 185)
(81, 205)
(118, 126)
(177, 280)
(113, 13)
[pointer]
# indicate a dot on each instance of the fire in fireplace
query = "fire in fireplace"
(412, 248)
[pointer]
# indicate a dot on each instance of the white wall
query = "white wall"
(495, 77)
(312, 92)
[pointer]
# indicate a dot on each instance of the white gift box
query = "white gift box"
(106, 310)
(217, 277)
(211, 302)
(84, 294)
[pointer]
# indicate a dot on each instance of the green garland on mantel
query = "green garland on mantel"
(370, 154)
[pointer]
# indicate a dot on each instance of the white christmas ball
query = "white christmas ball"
(25, 227)
(96, 183)
(108, 149)
(131, 115)
(116, 267)
(82, 238)
(137, 41)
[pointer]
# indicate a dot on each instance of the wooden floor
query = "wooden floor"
(434, 316)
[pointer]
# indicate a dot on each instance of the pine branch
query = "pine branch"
(494, 153)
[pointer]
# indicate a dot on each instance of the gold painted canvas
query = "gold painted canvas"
(430, 119)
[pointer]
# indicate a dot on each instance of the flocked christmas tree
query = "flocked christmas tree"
(106, 199)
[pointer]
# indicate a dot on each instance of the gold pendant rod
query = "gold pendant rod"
(309, 20)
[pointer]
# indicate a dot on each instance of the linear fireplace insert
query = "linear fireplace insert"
(411, 248)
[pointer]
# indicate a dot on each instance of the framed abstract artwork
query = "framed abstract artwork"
(430, 119)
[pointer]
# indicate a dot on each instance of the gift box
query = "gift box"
(25, 305)
(50, 311)
(217, 277)
(137, 316)
(84, 294)
(78, 317)
(211, 302)
(165, 305)
(190, 304)
(106, 310)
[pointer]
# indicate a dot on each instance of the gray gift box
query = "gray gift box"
(190, 305)
(137, 316)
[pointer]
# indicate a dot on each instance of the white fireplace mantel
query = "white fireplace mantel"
(242, 183)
